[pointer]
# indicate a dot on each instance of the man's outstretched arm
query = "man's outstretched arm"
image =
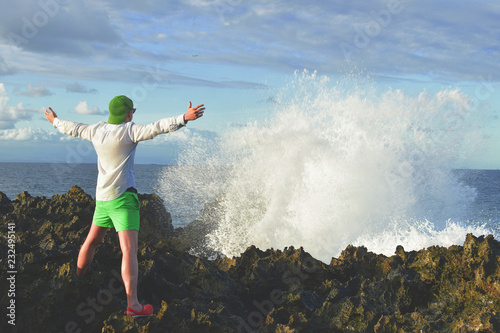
(166, 125)
(72, 128)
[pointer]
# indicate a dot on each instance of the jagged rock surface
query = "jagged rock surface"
(455, 289)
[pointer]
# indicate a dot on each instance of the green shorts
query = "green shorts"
(121, 213)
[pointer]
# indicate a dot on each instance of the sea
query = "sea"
(335, 163)
(48, 179)
(44, 179)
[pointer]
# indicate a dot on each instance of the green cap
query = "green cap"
(119, 107)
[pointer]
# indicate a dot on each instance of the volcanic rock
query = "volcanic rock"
(438, 289)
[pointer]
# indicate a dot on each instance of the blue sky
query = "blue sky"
(231, 55)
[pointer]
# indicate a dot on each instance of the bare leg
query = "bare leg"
(130, 270)
(94, 238)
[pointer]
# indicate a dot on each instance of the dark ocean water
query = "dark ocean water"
(45, 179)
(486, 206)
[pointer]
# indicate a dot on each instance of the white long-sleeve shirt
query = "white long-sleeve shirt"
(115, 147)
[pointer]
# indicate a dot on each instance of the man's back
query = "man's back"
(115, 146)
(115, 159)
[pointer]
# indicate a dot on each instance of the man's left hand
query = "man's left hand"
(50, 115)
(194, 112)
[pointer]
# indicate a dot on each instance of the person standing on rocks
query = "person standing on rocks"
(117, 204)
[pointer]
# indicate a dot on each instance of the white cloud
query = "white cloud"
(78, 88)
(57, 27)
(103, 38)
(83, 108)
(10, 115)
(27, 134)
(4, 68)
(386, 37)
(34, 91)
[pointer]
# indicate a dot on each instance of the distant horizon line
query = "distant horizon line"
(175, 164)
(90, 163)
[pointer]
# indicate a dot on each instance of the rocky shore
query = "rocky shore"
(455, 289)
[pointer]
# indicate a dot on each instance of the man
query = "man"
(117, 204)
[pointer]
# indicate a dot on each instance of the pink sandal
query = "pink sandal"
(147, 310)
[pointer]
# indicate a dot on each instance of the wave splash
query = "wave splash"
(342, 163)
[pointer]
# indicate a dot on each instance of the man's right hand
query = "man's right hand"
(194, 113)
(50, 115)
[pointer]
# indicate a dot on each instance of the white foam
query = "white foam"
(339, 164)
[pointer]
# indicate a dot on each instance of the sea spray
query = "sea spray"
(343, 163)
(196, 180)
